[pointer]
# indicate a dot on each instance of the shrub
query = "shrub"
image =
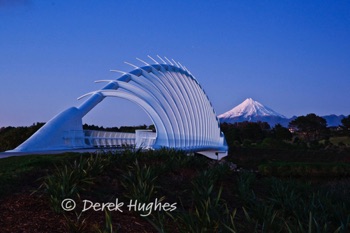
(287, 169)
(139, 182)
(68, 180)
(244, 186)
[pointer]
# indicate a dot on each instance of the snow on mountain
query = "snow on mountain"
(251, 110)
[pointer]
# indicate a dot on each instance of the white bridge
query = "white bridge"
(107, 139)
(180, 110)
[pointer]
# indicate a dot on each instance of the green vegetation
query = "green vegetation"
(342, 141)
(18, 171)
(311, 127)
(69, 179)
(139, 182)
(125, 129)
(209, 196)
(309, 132)
(346, 124)
(297, 169)
(11, 137)
(304, 133)
(285, 182)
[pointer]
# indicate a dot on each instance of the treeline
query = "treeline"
(125, 129)
(304, 131)
(11, 137)
(308, 131)
(248, 133)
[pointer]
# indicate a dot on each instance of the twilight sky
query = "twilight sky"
(292, 56)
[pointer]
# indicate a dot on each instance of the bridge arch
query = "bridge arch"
(181, 111)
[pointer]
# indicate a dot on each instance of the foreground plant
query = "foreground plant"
(205, 216)
(70, 179)
(245, 181)
(108, 227)
(208, 208)
(139, 182)
(78, 225)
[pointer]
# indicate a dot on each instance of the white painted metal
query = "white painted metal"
(174, 100)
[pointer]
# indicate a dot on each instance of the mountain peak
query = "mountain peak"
(253, 111)
(250, 101)
(250, 108)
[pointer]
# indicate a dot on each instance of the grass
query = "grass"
(210, 197)
(251, 158)
(298, 169)
(139, 182)
(341, 140)
(17, 171)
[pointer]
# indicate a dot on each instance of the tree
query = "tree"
(232, 133)
(346, 122)
(243, 131)
(11, 137)
(311, 127)
(281, 133)
(254, 131)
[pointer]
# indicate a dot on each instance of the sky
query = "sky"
(292, 56)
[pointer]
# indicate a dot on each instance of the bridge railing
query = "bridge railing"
(74, 139)
(145, 138)
(96, 138)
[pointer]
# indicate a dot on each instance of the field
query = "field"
(344, 140)
(270, 191)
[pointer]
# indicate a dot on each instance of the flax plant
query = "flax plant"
(139, 182)
(108, 227)
(245, 181)
(68, 180)
(208, 207)
(79, 225)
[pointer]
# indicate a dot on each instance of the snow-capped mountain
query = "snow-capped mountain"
(250, 108)
(253, 111)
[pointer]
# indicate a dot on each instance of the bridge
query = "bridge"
(171, 96)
